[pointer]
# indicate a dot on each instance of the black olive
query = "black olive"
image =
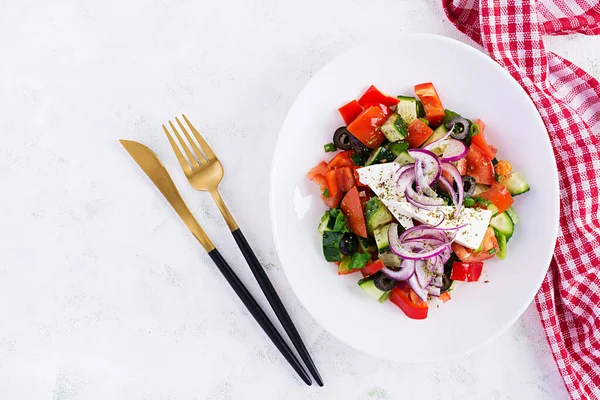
(383, 282)
(341, 138)
(349, 244)
(469, 185)
(358, 146)
(446, 283)
(459, 127)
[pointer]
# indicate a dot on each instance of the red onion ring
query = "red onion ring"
(407, 270)
(455, 151)
(451, 169)
(414, 284)
(433, 144)
(449, 189)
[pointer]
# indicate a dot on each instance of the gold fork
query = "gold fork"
(204, 172)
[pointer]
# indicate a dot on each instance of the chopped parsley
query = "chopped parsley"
(469, 202)
(326, 193)
(492, 251)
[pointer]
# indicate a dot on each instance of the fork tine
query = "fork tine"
(207, 150)
(186, 149)
(180, 157)
(191, 141)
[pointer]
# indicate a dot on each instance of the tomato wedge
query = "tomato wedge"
(366, 126)
(434, 111)
(480, 166)
(346, 178)
(479, 141)
(332, 201)
(489, 248)
(374, 96)
(499, 196)
(466, 272)
(342, 160)
(418, 133)
(371, 268)
(320, 169)
(353, 211)
(403, 296)
(350, 111)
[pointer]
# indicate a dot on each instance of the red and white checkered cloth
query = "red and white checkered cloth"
(568, 99)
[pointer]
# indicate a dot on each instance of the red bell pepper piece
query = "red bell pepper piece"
(479, 141)
(366, 126)
(466, 272)
(350, 111)
(408, 301)
(434, 111)
(374, 96)
(371, 268)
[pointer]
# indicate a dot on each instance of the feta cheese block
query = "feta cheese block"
(380, 178)
(476, 220)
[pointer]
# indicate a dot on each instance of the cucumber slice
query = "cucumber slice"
(389, 259)
(501, 244)
(394, 128)
(380, 155)
(516, 184)
(377, 214)
(439, 132)
(368, 285)
(331, 246)
(479, 189)
(503, 224)
(513, 215)
(404, 158)
(397, 148)
(325, 220)
(366, 245)
(407, 109)
(381, 236)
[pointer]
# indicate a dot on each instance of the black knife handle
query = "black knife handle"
(258, 314)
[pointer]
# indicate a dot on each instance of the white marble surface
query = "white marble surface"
(103, 292)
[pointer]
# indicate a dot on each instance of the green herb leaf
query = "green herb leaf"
(474, 130)
(326, 193)
(492, 251)
(449, 115)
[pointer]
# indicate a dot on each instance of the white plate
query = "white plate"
(472, 84)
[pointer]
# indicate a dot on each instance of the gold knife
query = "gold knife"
(158, 174)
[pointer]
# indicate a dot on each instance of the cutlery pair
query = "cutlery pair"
(204, 172)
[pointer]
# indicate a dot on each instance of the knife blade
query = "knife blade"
(158, 174)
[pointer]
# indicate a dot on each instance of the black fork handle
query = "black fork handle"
(275, 302)
(258, 314)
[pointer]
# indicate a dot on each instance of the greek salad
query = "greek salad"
(417, 198)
